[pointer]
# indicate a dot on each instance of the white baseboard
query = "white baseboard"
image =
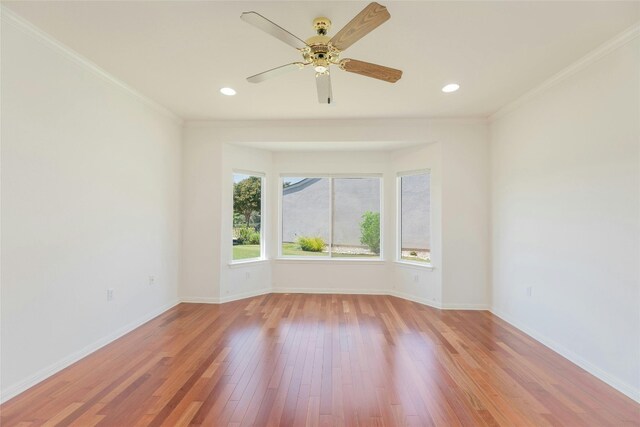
(226, 298)
(619, 385)
(342, 291)
(200, 300)
(45, 373)
(243, 295)
(414, 298)
(481, 307)
(438, 305)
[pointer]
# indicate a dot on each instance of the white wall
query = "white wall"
(90, 201)
(459, 164)
(566, 217)
(460, 155)
(411, 281)
(465, 215)
(201, 216)
(239, 280)
(208, 166)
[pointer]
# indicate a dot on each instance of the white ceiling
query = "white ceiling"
(180, 53)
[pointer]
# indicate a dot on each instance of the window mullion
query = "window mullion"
(331, 217)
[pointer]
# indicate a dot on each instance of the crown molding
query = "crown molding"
(617, 42)
(7, 16)
(416, 122)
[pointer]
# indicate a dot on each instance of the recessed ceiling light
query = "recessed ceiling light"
(227, 91)
(451, 87)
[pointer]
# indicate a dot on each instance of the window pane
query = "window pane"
(247, 204)
(415, 223)
(356, 217)
(305, 216)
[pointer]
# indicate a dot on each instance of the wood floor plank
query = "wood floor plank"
(322, 360)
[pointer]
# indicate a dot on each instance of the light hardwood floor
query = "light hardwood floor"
(298, 360)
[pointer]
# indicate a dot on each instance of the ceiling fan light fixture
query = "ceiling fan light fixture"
(451, 87)
(321, 69)
(227, 91)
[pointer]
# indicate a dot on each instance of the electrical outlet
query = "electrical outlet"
(152, 280)
(416, 278)
(529, 291)
(109, 294)
(247, 275)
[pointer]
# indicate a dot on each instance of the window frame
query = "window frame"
(398, 251)
(380, 258)
(263, 215)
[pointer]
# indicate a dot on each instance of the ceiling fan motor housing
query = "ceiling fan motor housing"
(319, 52)
(322, 24)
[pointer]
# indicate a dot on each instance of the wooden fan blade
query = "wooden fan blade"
(368, 69)
(272, 28)
(323, 83)
(362, 24)
(274, 72)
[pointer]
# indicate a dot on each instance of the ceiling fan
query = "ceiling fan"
(322, 51)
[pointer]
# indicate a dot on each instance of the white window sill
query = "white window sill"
(420, 266)
(327, 260)
(248, 262)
